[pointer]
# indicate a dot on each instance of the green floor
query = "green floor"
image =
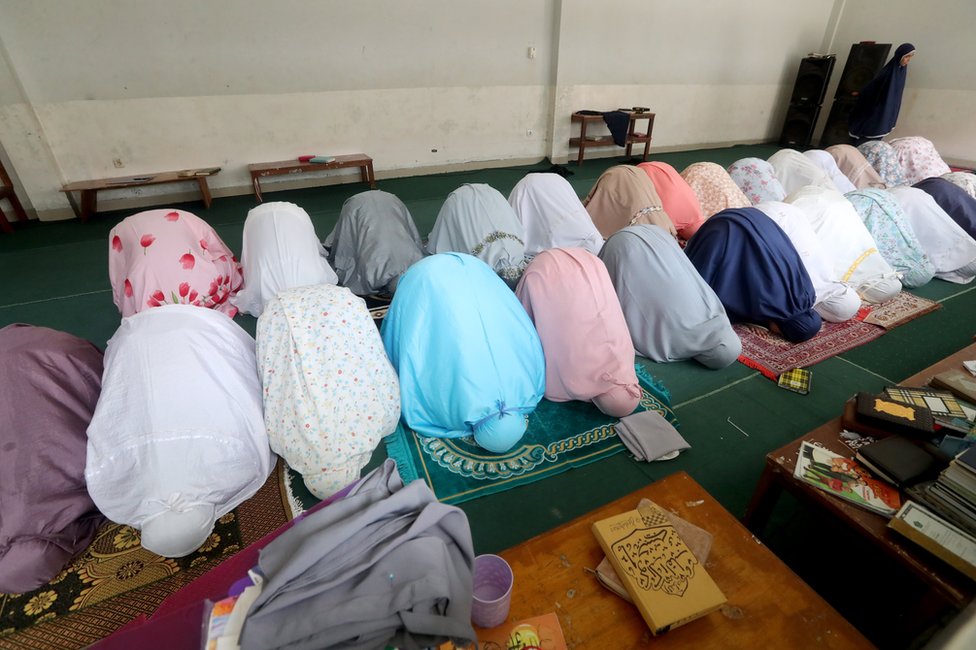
(55, 274)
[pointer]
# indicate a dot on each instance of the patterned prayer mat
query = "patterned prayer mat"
(115, 579)
(899, 310)
(773, 355)
(560, 436)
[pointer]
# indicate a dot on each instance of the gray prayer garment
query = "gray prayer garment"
(387, 565)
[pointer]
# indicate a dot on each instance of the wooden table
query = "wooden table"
(633, 137)
(948, 585)
(767, 603)
(89, 189)
(284, 167)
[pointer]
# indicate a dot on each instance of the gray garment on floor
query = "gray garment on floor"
(387, 565)
(648, 436)
(374, 242)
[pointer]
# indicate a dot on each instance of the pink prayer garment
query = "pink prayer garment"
(679, 200)
(715, 189)
(161, 257)
(589, 352)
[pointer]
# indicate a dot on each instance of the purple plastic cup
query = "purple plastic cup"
(492, 591)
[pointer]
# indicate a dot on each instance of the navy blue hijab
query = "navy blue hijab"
(756, 272)
(876, 110)
(954, 200)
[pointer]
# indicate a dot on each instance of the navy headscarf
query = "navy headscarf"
(876, 110)
(756, 272)
(954, 200)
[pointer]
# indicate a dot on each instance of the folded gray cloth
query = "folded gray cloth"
(649, 436)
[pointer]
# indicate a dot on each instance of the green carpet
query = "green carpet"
(55, 274)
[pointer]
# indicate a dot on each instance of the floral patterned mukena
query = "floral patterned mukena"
(885, 161)
(757, 180)
(919, 159)
(164, 257)
(714, 188)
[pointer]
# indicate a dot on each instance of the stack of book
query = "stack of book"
(953, 494)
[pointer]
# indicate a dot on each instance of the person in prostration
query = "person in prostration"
(715, 189)
(177, 439)
(671, 312)
(280, 251)
(757, 180)
(374, 242)
(51, 381)
(552, 215)
(469, 359)
(568, 294)
(162, 257)
(756, 272)
(875, 111)
(854, 255)
(679, 200)
(624, 196)
(836, 302)
(476, 219)
(330, 393)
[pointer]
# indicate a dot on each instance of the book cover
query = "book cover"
(665, 580)
(846, 479)
(938, 402)
(959, 382)
(698, 540)
(898, 460)
(937, 536)
(894, 416)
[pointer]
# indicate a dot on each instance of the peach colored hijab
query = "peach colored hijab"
(624, 196)
(855, 166)
(715, 189)
(679, 200)
(589, 353)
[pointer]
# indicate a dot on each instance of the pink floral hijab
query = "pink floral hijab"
(714, 188)
(163, 257)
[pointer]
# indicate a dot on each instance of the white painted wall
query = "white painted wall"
(941, 90)
(184, 83)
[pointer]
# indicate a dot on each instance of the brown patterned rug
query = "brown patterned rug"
(115, 580)
(899, 310)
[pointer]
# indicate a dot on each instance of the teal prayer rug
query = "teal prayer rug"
(560, 436)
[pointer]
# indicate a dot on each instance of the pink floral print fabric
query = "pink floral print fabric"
(714, 187)
(161, 257)
(918, 159)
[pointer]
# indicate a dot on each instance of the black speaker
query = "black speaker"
(836, 129)
(798, 127)
(863, 63)
(811, 80)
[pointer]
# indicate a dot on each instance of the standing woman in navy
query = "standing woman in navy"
(876, 110)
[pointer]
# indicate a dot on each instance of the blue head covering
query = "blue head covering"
(469, 359)
(756, 272)
(954, 200)
(876, 110)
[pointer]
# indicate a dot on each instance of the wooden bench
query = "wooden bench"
(7, 192)
(284, 167)
(89, 189)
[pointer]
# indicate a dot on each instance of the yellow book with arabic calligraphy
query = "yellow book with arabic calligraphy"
(665, 580)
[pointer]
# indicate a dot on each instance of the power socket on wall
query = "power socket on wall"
(118, 162)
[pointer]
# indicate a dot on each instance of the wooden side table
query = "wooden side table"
(585, 142)
(768, 605)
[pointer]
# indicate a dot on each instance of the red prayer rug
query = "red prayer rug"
(773, 355)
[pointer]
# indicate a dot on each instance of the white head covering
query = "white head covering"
(836, 302)
(794, 170)
(330, 393)
(552, 215)
(948, 246)
(177, 439)
(918, 159)
(965, 180)
(477, 220)
(854, 255)
(280, 251)
(827, 163)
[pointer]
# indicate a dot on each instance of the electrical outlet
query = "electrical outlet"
(531, 52)
(529, 132)
(118, 162)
